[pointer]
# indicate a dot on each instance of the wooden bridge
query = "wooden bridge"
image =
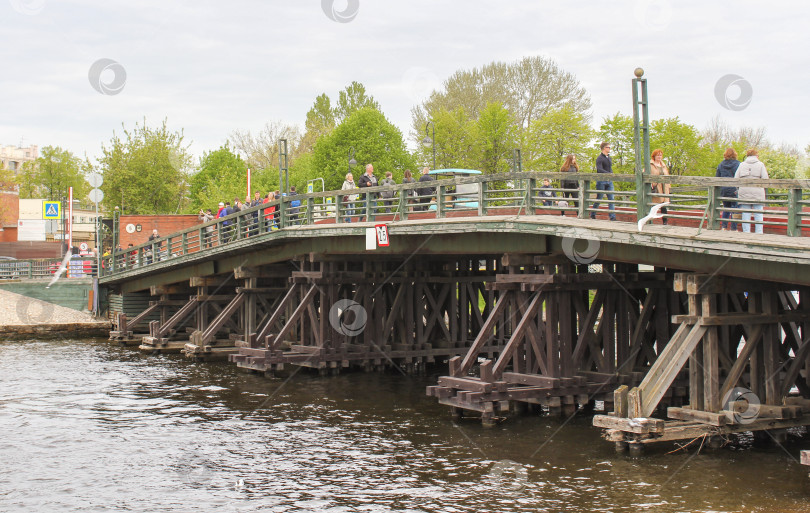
(680, 331)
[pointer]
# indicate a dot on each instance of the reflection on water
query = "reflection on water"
(87, 426)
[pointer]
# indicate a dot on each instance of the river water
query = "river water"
(87, 426)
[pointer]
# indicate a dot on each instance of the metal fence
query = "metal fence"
(46, 268)
(696, 199)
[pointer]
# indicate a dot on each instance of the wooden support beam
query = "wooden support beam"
(160, 290)
(484, 336)
(714, 419)
(668, 365)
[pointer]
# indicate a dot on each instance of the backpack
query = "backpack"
(389, 193)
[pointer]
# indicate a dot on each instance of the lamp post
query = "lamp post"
(641, 139)
(430, 139)
(352, 162)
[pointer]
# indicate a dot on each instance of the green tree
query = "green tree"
(527, 89)
(352, 99)
(496, 136)
(320, 121)
(680, 143)
(375, 141)
(145, 170)
(558, 133)
(618, 131)
(222, 176)
(456, 141)
(51, 174)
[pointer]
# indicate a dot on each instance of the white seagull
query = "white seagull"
(654, 214)
(62, 268)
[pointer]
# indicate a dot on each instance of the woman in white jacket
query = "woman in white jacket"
(349, 199)
(751, 198)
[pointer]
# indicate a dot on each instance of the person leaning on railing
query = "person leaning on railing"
(751, 198)
(604, 166)
(571, 187)
(658, 168)
(727, 169)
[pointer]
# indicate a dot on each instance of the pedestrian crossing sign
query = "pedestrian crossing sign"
(50, 209)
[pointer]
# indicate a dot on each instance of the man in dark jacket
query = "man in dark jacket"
(604, 166)
(368, 180)
(727, 169)
(295, 205)
(425, 193)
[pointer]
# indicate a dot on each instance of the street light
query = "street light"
(352, 162)
(430, 139)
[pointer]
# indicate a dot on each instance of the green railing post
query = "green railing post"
(369, 207)
(310, 208)
(482, 195)
(531, 186)
(403, 204)
(641, 141)
(184, 243)
(440, 194)
(714, 201)
(582, 208)
(282, 213)
(794, 207)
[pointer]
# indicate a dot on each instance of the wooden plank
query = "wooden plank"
(714, 419)
(531, 379)
(620, 401)
(638, 426)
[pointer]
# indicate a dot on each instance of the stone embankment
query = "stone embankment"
(25, 317)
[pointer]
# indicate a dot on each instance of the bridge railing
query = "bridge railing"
(39, 268)
(694, 201)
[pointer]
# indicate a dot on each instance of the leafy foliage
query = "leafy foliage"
(221, 177)
(554, 136)
(51, 174)
(374, 139)
(145, 171)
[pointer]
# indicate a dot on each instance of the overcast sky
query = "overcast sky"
(213, 67)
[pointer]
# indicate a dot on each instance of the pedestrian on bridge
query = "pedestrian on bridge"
(727, 169)
(604, 166)
(349, 199)
(270, 212)
(425, 193)
(206, 217)
(368, 180)
(388, 195)
(225, 231)
(752, 198)
(571, 187)
(657, 167)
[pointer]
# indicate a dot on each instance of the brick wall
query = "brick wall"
(165, 224)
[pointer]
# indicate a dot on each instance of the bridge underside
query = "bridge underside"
(528, 313)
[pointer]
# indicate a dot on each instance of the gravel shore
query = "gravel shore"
(19, 310)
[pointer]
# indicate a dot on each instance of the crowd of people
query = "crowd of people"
(747, 201)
